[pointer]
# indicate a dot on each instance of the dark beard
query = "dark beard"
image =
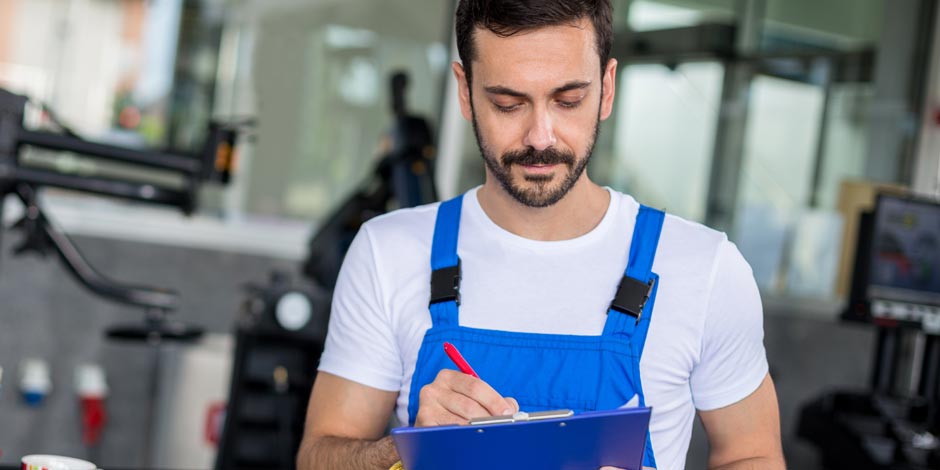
(541, 195)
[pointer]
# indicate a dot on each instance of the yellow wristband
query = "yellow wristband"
(397, 466)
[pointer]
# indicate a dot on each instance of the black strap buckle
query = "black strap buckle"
(445, 284)
(632, 295)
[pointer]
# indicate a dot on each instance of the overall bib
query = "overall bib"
(545, 371)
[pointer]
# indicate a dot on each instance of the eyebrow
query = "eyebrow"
(502, 90)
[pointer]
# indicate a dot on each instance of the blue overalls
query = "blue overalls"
(545, 371)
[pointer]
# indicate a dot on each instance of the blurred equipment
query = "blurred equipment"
(896, 288)
(92, 389)
(162, 178)
(278, 342)
(283, 325)
(35, 381)
(167, 179)
(403, 177)
(193, 389)
(855, 198)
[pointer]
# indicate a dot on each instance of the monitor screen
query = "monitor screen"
(905, 258)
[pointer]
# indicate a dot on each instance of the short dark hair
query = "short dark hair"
(509, 17)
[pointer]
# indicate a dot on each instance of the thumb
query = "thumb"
(513, 403)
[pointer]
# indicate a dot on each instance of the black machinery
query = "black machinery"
(282, 326)
(167, 179)
(895, 424)
(179, 178)
(403, 177)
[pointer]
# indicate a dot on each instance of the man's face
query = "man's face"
(536, 103)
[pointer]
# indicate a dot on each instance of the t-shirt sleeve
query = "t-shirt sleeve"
(360, 343)
(733, 362)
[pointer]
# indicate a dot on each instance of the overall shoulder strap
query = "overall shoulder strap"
(445, 264)
(629, 308)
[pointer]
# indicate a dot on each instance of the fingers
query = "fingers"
(515, 405)
(465, 407)
(436, 415)
(477, 390)
(455, 398)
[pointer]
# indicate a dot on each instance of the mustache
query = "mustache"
(530, 156)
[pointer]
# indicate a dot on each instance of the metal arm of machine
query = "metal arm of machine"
(41, 233)
(166, 161)
(151, 193)
(213, 163)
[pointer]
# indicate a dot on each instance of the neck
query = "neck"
(577, 213)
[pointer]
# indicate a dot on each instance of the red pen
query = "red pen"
(458, 360)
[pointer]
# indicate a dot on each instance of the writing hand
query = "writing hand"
(455, 398)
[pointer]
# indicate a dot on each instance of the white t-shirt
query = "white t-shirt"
(704, 349)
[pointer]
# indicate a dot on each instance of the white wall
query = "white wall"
(68, 53)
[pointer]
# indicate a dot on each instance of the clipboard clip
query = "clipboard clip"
(522, 417)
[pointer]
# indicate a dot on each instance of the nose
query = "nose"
(540, 134)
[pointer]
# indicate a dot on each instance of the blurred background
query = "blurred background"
(774, 120)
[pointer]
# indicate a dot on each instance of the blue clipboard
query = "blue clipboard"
(585, 441)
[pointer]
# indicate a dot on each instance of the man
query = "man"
(538, 252)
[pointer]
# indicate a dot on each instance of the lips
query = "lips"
(540, 169)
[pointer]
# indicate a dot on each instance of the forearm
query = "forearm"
(336, 453)
(759, 463)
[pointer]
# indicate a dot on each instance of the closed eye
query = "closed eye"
(506, 109)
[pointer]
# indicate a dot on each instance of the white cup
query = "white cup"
(54, 462)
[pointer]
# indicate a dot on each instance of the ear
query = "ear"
(609, 79)
(463, 91)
